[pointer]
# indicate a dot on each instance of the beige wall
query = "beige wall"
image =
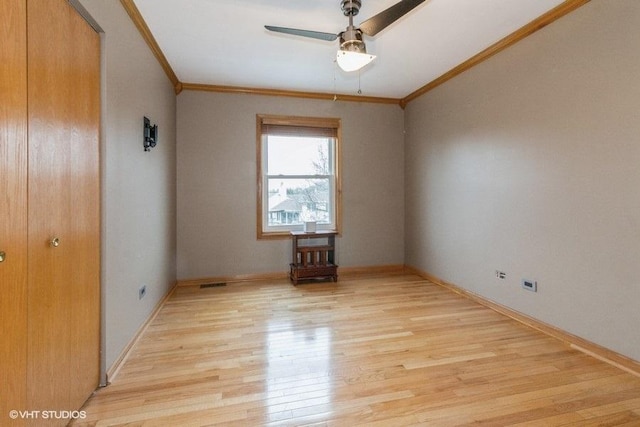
(138, 188)
(217, 183)
(530, 163)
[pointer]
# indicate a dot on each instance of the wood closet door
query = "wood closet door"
(13, 206)
(64, 285)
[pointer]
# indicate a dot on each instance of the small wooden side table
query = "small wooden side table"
(313, 256)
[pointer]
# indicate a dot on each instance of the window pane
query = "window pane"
(294, 201)
(298, 155)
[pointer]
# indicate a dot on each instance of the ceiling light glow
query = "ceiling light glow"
(353, 61)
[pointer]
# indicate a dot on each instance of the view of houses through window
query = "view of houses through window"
(299, 180)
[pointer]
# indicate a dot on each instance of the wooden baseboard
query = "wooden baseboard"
(371, 270)
(236, 278)
(342, 271)
(115, 368)
(599, 352)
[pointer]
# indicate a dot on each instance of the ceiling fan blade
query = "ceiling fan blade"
(304, 33)
(382, 20)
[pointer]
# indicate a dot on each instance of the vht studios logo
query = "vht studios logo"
(46, 415)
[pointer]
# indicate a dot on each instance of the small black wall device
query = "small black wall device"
(150, 135)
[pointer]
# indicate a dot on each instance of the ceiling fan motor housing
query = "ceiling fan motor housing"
(350, 7)
(351, 40)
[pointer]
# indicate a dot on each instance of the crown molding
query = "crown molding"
(554, 14)
(289, 93)
(144, 30)
(535, 25)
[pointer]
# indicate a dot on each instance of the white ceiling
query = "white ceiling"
(224, 42)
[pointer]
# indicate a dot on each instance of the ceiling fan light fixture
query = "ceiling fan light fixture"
(353, 61)
(352, 54)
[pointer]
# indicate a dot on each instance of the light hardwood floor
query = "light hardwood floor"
(392, 350)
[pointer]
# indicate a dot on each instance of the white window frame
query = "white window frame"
(304, 125)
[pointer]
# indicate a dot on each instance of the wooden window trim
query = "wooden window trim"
(319, 122)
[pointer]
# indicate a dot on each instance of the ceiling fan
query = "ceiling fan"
(352, 54)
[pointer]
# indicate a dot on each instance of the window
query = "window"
(298, 174)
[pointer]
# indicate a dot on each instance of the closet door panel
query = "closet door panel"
(63, 299)
(85, 202)
(50, 90)
(13, 206)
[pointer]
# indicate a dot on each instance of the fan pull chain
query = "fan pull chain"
(359, 88)
(335, 92)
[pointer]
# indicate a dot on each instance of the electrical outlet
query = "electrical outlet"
(501, 274)
(142, 291)
(530, 285)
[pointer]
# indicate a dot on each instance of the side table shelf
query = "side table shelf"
(313, 256)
